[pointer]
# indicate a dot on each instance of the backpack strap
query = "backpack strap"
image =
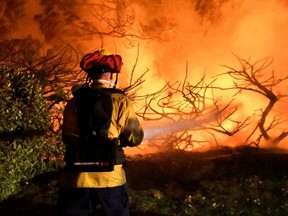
(95, 151)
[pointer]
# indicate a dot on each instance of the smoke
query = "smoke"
(204, 33)
(170, 34)
(207, 37)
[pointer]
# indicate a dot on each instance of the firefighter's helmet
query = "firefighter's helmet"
(101, 61)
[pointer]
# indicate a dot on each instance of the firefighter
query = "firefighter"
(80, 191)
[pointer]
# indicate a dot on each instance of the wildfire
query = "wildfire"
(177, 42)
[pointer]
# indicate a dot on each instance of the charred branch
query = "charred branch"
(253, 77)
(190, 108)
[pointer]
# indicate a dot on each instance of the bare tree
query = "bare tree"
(182, 109)
(179, 110)
(253, 77)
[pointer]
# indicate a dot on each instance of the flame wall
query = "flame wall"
(171, 33)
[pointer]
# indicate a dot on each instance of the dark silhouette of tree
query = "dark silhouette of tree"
(253, 77)
(181, 109)
(173, 103)
(55, 69)
(100, 20)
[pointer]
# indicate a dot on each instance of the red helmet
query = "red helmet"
(101, 62)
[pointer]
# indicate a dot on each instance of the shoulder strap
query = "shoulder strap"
(94, 111)
(94, 151)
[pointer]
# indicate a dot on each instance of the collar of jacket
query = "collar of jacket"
(101, 83)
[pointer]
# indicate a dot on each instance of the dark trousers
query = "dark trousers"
(83, 201)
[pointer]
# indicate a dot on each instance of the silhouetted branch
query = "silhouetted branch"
(254, 78)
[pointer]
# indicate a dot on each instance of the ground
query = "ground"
(225, 181)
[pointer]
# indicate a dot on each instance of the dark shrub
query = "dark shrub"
(24, 129)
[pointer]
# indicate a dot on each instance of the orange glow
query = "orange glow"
(202, 34)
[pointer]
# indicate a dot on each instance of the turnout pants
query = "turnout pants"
(83, 201)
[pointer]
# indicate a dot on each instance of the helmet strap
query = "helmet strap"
(116, 80)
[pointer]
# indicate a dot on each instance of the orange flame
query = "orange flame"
(204, 34)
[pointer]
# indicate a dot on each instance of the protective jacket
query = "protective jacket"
(124, 126)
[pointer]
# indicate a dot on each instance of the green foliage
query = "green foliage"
(22, 107)
(24, 130)
(241, 184)
(244, 196)
(20, 160)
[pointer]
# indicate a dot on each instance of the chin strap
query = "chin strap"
(116, 80)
